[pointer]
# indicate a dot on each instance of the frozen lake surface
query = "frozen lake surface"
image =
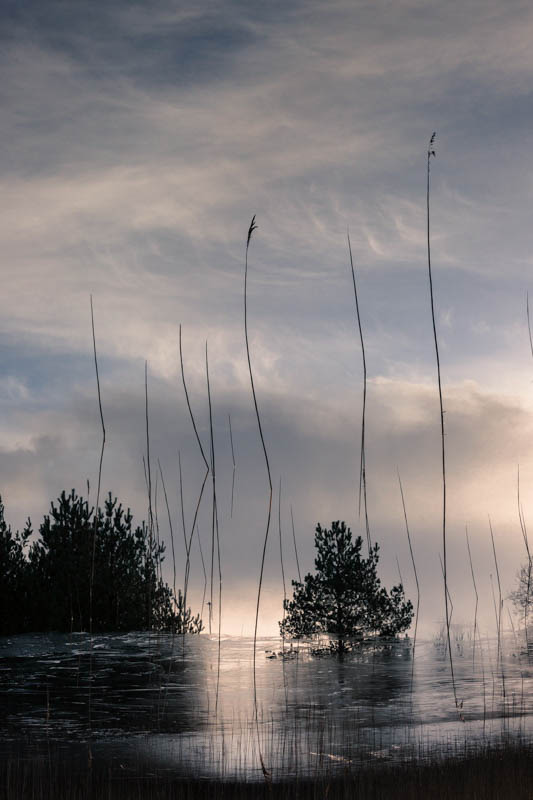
(171, 703)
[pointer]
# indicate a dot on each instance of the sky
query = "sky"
(137, 142)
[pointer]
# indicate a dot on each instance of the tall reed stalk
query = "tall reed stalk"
(362, 463)
(171, 533)
(295, 547)
(281, 550)
(183, 526)
(234, 465)
(215, 529)
(96, 517)
(149, 489)
(415, 572)
(500, 606)
(251, 229)
(203, 568)
(430, 153)
(477, 597)
(199, 501)
(522, 521)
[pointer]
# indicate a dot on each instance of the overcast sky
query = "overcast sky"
(137, 142)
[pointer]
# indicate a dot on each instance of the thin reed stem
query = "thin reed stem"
(203, 568)
(171, 533)
(198, 440)
(183, 528)
(251, 229)
(281, 550)
(295, 547)
(477, 597)
(500, 606)
(215, 529)
(431, 152)
(414, 570)
(96, 518)
(100, 463)
(234, 465)
(362, 464)
(149, 487)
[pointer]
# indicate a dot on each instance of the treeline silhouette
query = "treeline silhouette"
(86, 562)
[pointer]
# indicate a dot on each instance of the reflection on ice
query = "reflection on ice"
(153, 700)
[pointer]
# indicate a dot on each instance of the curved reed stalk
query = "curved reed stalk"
(96, 516)
(203, 567)
(529, 566)
(362, 465)
(251, 229)
(198, 503)
(295, 547)
(447, 590)
(215, 530)
(477, 597)
(431, 152)
(520, 513)
(234, 464)
(99, 471)
(149, 488)
(500, 606)
(281, 550)
(182, 508)
(171, 532)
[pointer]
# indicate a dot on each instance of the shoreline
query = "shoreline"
(504, 771)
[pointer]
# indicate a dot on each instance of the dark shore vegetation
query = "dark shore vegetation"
(491, 773)
(86, 564)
